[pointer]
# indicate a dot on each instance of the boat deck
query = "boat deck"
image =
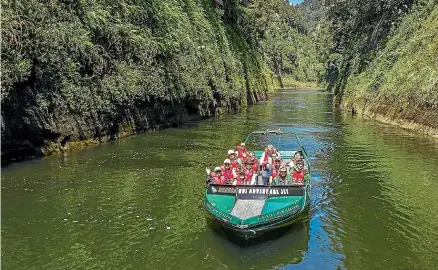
(244, 209)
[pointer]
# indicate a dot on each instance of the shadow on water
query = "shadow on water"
(266, 237)
(287, 245)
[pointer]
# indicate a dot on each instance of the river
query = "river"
(136, 203)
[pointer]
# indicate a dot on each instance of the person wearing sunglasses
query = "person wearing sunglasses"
(216, 177)
(298, 173)
(233, 159)
(243, 178)
(265, 163)
(278, 162)
(254, 160)
(228, 171)
(250, 173)
(283, 178)
(242, 151)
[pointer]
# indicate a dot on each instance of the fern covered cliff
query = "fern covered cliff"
(91, 71)
(96, 70)
(400, 84)
(382, 58)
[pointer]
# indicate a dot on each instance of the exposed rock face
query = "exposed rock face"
(389, 74)
(77, 73)
(40, 133)
(421, 119)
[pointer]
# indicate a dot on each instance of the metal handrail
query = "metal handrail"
(279, 132)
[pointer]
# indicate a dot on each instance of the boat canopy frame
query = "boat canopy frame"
(278, 132)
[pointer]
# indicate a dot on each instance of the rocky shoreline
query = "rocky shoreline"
(417, 118)
(83, 133)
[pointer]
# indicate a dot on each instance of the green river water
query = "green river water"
(136, 203)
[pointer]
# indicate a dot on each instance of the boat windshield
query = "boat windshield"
(282, 141)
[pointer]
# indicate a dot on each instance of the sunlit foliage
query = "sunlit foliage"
(74, 70)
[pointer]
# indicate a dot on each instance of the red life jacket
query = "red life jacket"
(234, 164)
(248, 174)
(228, 174)
(265, 158)
(243, 181)
(219, 180)
(255, 164)
(298, 174)
(242, 152)
(247, 179)
(240, 181)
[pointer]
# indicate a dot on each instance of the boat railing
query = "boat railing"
(279, 132)
(253, 192)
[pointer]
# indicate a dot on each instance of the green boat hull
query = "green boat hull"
(251, 211)
(264, 229)
(278, 207)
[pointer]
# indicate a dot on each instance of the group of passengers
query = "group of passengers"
(242, 167)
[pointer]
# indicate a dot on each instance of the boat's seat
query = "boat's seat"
(260, 180)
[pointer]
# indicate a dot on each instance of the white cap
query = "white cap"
(217, 169)
(230, 152)
(242, 144)
(227, 161)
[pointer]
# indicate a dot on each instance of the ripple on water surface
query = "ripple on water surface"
(137, 202)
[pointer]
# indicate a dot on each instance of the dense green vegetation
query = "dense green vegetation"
(405, 72)
(360, 29)
(381, 55)
(286, 46)
(81, 70)
(77, 70)
(314, 14)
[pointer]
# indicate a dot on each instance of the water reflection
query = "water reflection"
(276, 249)
(382, 200)
(137, 202)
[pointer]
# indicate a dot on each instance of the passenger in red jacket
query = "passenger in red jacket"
(249, 164)
(278, 162)
(216, 177)
(233, 159)
(298, 173)
(274, 156)
(265, 163)
(265, 159)
(250, 173)
(228, 172)
(254, 160)
(245, 177)
(242, 151)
